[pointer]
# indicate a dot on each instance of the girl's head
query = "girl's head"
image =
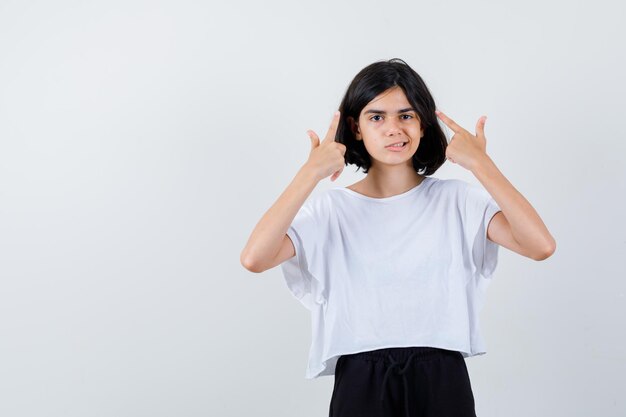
(388, 102)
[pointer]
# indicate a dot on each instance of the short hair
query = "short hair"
(370, 82)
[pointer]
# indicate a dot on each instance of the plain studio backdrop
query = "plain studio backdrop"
(141, 142)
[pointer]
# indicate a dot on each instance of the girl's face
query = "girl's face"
(386, 120)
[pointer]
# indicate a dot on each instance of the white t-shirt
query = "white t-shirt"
(407, 270)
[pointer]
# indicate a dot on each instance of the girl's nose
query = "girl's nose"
(393, 128)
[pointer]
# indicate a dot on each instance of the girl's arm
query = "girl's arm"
(269, 244)
(268, 237)
(519, 226)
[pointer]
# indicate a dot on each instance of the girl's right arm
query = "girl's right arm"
(269, 245)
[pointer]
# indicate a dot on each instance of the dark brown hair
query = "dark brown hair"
(370, 82)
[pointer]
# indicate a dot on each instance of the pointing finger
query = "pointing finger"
(332, 131)
(449, 122)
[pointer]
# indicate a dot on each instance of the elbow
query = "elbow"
(548, 252)
(249, 263)
(250, 266)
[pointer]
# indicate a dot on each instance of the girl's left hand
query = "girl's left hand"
(464, 148)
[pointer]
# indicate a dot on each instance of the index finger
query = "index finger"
(449, 122)
(332, 131)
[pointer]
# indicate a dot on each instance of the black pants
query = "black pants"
(402, 382)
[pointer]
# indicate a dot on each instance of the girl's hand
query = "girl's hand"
(327, 157)
(464, 148)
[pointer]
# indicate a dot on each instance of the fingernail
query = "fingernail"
(336, 113)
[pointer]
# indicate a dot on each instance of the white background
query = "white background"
(140, 142)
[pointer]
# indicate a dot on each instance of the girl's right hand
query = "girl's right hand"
(327, 157)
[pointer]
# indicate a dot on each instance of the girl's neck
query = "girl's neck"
(382, 186)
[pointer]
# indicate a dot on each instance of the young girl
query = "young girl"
(394, 268)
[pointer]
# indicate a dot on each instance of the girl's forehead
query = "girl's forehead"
(388, 105)
(390, 97)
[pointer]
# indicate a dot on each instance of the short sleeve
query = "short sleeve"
(303, 272)
(480, 208)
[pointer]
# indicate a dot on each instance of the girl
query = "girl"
(394, 268)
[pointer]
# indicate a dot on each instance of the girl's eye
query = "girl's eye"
(377, 115)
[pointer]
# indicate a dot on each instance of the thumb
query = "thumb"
(480, 126)
(315, 141)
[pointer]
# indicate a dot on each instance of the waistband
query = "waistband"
(402, 353)
(397, 360)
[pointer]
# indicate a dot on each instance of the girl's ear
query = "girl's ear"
(355, 128)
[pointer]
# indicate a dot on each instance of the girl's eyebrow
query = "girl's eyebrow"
(384, 112)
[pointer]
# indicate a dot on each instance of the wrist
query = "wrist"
(309, 174)
(481, 164)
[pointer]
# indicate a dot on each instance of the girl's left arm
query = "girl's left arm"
(517, 227)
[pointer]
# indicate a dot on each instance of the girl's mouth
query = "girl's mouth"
(397, 148)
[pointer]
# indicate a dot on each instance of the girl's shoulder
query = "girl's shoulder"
(452, 184)
(319, 203)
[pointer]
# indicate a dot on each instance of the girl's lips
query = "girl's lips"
(397, 148)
